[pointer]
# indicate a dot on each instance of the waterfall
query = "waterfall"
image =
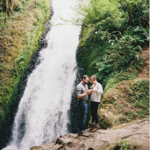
(43, 109)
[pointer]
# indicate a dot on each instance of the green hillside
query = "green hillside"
(114, 36)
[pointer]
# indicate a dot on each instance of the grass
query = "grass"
(139, 95)
(122, 145)
(19, 41)
(116, 77)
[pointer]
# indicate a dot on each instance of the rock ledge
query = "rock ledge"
(137, 134)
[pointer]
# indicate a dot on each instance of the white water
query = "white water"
(43, 110)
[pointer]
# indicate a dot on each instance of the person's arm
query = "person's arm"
(78, 92)
(99, 89)
(81, 95)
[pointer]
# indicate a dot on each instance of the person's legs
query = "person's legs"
(80, 117)
(96, 116)
(92, 112)
(84, 107)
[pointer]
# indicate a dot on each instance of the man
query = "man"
(82, 94)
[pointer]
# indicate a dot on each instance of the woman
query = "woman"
(95, 100)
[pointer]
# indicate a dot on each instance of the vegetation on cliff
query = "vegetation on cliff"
(127, 101)
(20, 38)
(114, 34)
(122, 145)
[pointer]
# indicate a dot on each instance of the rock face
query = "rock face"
(137, 133)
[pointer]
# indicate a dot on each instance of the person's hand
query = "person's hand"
(94, 90)
(89, 92)
(91, 87)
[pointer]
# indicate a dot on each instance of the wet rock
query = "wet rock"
(137, 133)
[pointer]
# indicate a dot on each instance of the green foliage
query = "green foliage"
(113, 36)
(139, 97)
(139, 101)
(124, 102)
(122, 145)
(108, 43)
(137, 12)
(115, 77)
(12, 71)
(122, 52)
(100, 10)
(2, 17)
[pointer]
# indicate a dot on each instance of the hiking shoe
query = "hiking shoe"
(95, 128)
(92, 126)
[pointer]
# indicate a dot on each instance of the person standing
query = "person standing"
(82, 92)
(94, 101)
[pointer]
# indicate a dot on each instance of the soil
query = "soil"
(145, 70)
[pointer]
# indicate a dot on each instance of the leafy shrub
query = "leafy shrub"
(137, 12)
(109, 44)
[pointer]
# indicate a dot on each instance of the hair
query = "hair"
(85, 76)
(93, 77)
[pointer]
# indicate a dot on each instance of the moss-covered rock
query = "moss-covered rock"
(127, 101)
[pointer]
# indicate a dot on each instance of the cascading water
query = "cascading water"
(43, 110)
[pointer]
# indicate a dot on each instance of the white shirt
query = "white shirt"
(96, 95)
